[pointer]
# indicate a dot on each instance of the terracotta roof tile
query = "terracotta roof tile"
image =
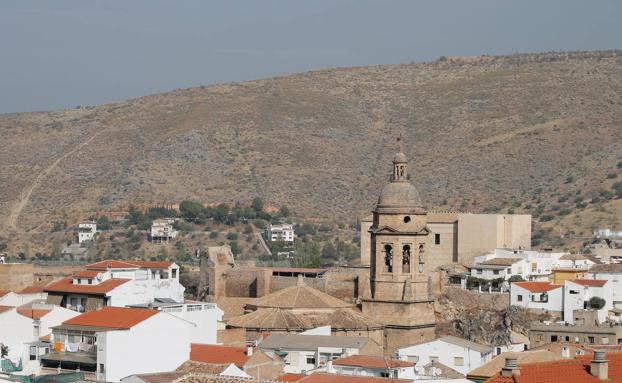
(130, 264)
(500, 261)
(290, 377)
(161, 377)
(591, 282)
(537, 287)
(335, 378)
(214, 354)
(3, 293)
(66, 286)
(4, 309)
(86, 273)
(575, 371)
(33, 313)
(298, 297)
(35, 289)
(377, 362)
(119, 318)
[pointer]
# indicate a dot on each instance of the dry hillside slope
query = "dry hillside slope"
(481, 132)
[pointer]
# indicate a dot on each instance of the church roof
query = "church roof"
(279, 319)
(299, 296)
(399, 194)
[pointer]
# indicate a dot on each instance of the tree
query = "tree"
(284, 211)
(596, 303)
(191, 210)
(515, 278)
(4, 350)
(257, 204)
(232, 236)
(222, 213)
(329, 251)
(103, 223)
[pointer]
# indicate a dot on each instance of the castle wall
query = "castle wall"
(446, 251)
(16, 276)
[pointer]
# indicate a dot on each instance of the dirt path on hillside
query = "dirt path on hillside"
(27, 193)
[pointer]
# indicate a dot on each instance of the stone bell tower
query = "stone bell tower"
(399, 291)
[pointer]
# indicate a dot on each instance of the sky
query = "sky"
(64, 53)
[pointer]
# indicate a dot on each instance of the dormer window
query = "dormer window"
(90, 281)
(79, 281)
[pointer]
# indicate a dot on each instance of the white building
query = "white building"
(284, 232)
(534, 265)
(117, 342)
(607, 233)
(613, 273)
(574, 261)
(22, 297)
(456, 353)
(307, 352)
(23, 330)
(162, 230)
(366, 365)
(577, 295)
(538, 296)
(206, 317)
(498, 268)
(86, 231)
(117, 283)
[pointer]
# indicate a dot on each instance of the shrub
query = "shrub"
(597, 303)
(546, 218)
(213, 234)
(248, 229)
(232, 236)
(612, 176)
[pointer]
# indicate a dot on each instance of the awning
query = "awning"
(72, 357)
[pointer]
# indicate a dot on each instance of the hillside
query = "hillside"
(538, 133)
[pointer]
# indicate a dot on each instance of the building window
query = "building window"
(519, 298)
(434, 359)
(437, 239)
(406, 219)
(553, 338)
(413, 358)
(590, 339)
(406, 259)
(458, 361)
(498, 351)
(311, 360)
(174, 273)
(388, 258)
(101, 368)
(479, 271)
(79, 281)
(90, 281)
(36, 331)
(33, 352)
(495, 272)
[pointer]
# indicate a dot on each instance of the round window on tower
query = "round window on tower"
(406, 219)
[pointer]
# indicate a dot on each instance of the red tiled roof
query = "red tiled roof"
(3, 293)
(563, 371)
(372, 362)
(290, 377)
(132, 264)
(119, 318)
(111, 264)
(35, 289)
(208, 353)
(537, 287)
(335, 378)
(66, 286)
(591, 282)
(33, 313)
(86, 273)
(5, 308)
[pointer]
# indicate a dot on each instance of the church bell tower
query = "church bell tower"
(399, 292)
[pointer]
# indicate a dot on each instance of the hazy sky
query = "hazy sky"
(63, 53)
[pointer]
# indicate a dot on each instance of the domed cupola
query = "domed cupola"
(399, 195)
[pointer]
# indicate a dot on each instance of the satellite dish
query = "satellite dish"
(99, 277)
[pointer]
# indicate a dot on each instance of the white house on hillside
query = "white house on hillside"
(116, 342)
(533, 265)
(456, 353)
(162, 230)
(86, 231)
(538, 296)
(577, 295)
(117, 283)
(24, 330)
(285, 232)
(366, 365)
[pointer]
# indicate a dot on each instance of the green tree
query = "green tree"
(222, 213)
(284, 211)
(329, 251)
(103, 223)
(192, 211)
(597, 303)
(257, 204)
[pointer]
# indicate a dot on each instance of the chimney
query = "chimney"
(600, 366)
(249, 350)
(511, 367)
